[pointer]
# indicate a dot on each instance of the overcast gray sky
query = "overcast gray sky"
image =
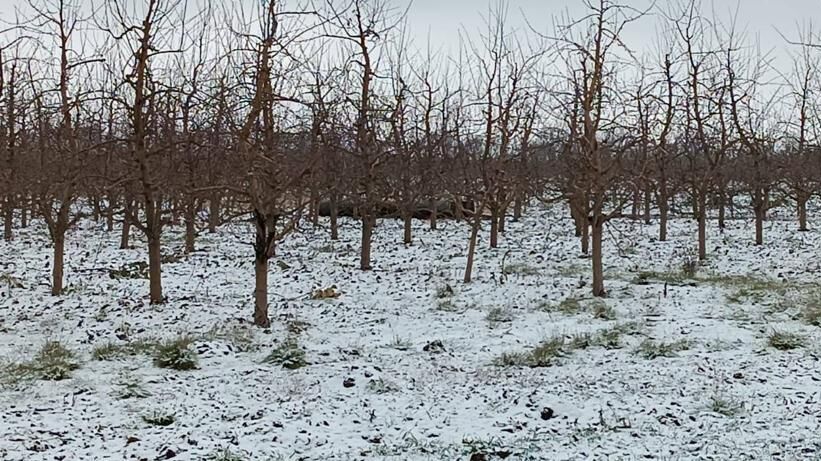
(442, 19)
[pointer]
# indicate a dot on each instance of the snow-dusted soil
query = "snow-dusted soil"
(729, 396)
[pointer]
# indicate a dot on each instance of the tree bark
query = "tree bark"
(648, 203)
(8, 220)
(494, 228)
(759, 208)
(474, 236)
(434, 207)
(334, 217)
(408, 234)
(598, 269)
(367, 234)
(190, 228)
(517, 208)
(214, 212)
(802, 212)
(261, 318)
(664, 208)
(155, 269)
(57, 267)
(702, 225)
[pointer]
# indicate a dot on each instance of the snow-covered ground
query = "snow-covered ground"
(420, 365)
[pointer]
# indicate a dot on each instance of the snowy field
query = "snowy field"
(407, 363)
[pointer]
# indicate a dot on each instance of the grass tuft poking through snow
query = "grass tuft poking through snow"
(785, 340)
(650, 349)
(177, 354)
(545, 354)
(288, 355)
(159, 418)
(53, 362)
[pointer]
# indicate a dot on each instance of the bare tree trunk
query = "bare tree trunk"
(634, 209)
(334, 217)
(702, 225)
(434, 207)
(494, 228)
(314, 207)
(367, 234)
(664, 208)
(517, 208)
(759, 209)
(261, 318)
(24, 215)
(109, 214)
(190, 227)
(8, 220)
(57, 267)
(722, 205)
(802, 212)
(408, 222)
(585, 237)
(648, 203)
(598, 270)
(155, 269)
(126, 231)
(474, 236)
(214, 212)
(502, 220)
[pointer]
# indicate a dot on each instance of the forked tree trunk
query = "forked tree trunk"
(474, 236)
(155, 269)
(57, 267)
(598, 267)
(367, 234)
(802, 212)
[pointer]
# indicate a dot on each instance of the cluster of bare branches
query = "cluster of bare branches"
(153, 114)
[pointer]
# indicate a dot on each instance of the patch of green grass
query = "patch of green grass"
(134, 270)
(670, 278)
(650, 349)
(724, 405)
(159, 418)
(545, 354)
(785, 341)
(609, 338)
(226, 455)
(177, 354)
(287, 355)
(53, 362)
(521, 269)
